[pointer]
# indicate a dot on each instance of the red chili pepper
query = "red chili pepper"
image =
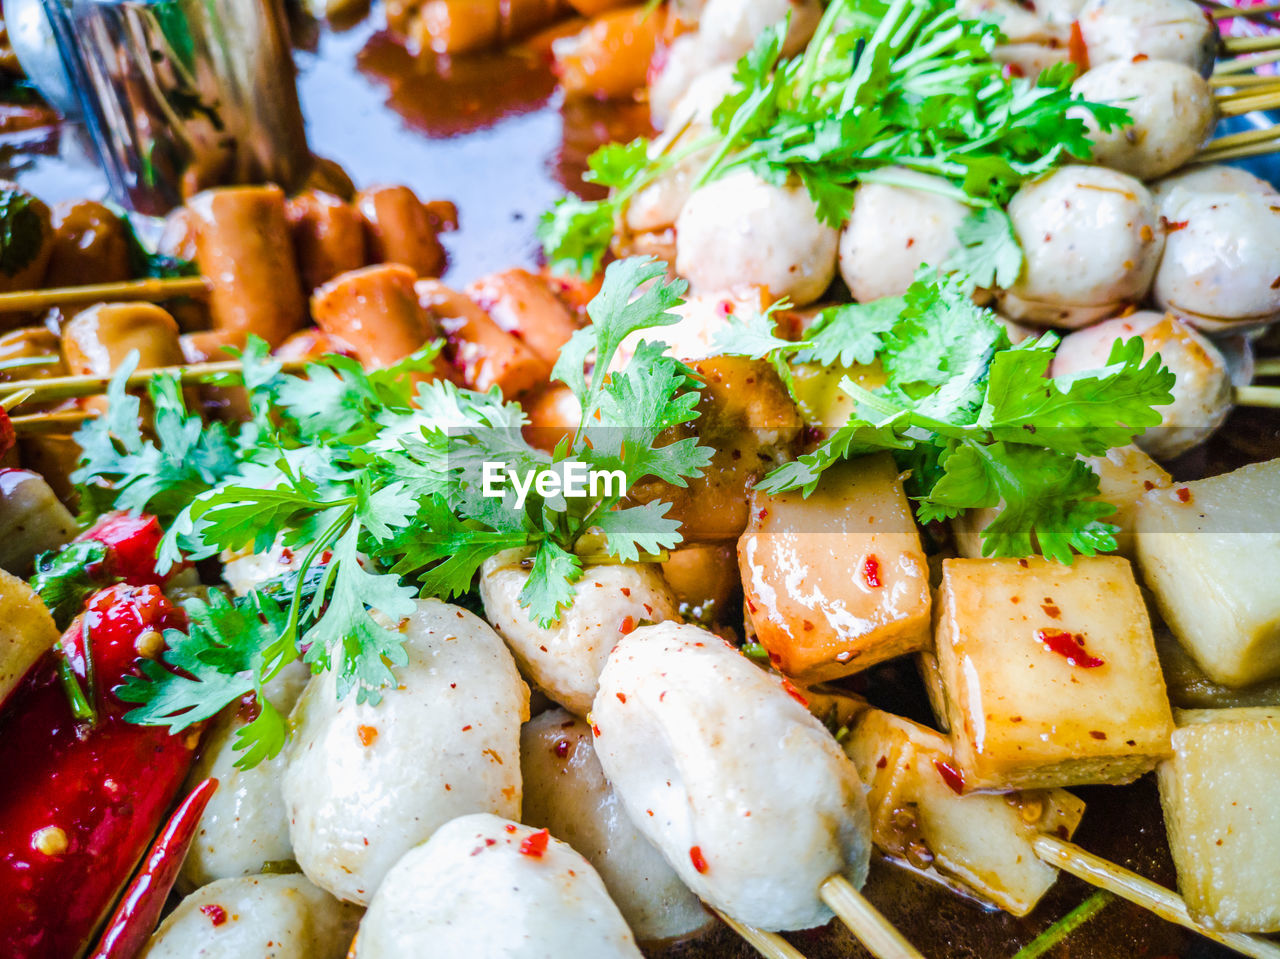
(953, 777)
(8, 436)
(117, 618)
(84, 800)
(535, 844)
(132, 542)
(1069, 646)
(1077, 48)
(135, 918)
(699, 861)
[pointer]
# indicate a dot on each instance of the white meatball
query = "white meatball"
(656, 206)
(1172, 110)
(1221, 265)
(1174, 30)
(681, 62)
(245, 825)
(488, 887)
(1061, 13)
(1031, 59)
(364, 784)
(1201, 393)
(741, 231)
(1091, 245)
(728, 28)
(565, 791)
(565, 660)
(893, 230)
(246, 570)
(746, 794)
(1210, 178)
(1016, 22)
(281, 917)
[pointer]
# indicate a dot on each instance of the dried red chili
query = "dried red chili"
(953, 777)
(535, 844)
(1069, 646)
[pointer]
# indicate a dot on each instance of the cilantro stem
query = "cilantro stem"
(81, 708)
(1065, 926)
(90, 669)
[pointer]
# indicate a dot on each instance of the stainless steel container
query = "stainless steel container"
(180, 95)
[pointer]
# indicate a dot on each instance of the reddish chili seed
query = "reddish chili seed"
(217, 915)
(953, 777)
(871, 572)
(1069, 646)
(562, 748)
(535, 844)
(699, 861)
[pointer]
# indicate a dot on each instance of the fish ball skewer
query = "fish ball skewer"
(486, 886)
(1175, 30)
(1091, 241)
(748, 797)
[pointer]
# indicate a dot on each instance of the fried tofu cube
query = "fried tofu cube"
(1219, 793)
(1049, 672)
(1210, 552)
(981, 842)
(836, 582)
(1125, 475)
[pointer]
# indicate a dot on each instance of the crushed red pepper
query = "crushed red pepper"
(217, 915)
(699, 861)
(1069, 646)
(871, 572)
(535, 844)
(953, 777)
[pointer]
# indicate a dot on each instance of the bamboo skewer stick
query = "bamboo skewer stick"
(72, 387)
(864, 920)
(768, 944)
(1242, 138)
(14, 400)
(1250, 44)
(1243, 80)
(1248, 104)
(1267, 367)
(1235, 153)
(1245, 64)
(26, 301)
(1264, 396)
(1165, 903)
(1247, 92)
(1221, 12)
(62, 422)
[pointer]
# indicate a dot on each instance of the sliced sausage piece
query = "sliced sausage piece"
(1201, 394)
(376, 311)
(97, 340)
(565, 792)
(311, 344)
(1091, 241)
(28, 238)
(400, 228)
(610, 57)
(727, 29)
(366, 783)
(90, 245)
(281, 917)
(484, 886)
(554, 415)
(484, 354)
(229, 403)
(521, 304)
(565, 660)
(328, 236)
(244, 248)
(1172, 110)
(746, 794)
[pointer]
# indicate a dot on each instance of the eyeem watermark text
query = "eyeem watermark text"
(571, 479)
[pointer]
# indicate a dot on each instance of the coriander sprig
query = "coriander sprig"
(976, 421)
(375, 478)
(882, 84)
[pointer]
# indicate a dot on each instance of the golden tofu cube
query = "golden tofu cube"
(1049, 672)
(1219, 793)
(1125, 475)
(820, 398)
(981, 842)
(1210, 552)
(1190, 688)
(836, 582)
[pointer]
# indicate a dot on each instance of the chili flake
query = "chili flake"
(535, 844)
(953, 777)
(699, 861)
(1069, 646)
(217, 915)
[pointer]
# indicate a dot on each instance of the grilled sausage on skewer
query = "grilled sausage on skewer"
(328, 236)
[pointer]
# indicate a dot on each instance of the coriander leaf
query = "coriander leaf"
(346, 639)
(855, 438)
(636, 529)
(384, 510)
(1089, 412)
(549, 589)
(988, 252)
(1046, 499)
(575, 235)
(442, 552)
(205, 669)
(66, 577)
(850, 334)
(616, 164)
(262, 737)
